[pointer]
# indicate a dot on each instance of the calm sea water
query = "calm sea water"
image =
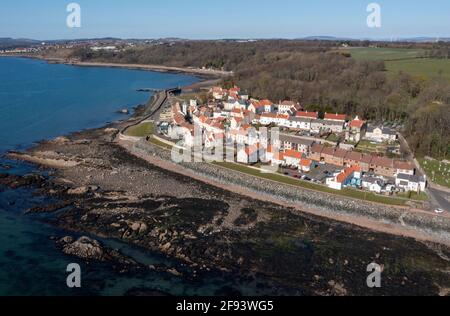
(41, 101)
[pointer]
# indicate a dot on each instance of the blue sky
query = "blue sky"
(210, 19)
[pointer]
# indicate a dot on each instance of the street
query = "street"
(440, 199)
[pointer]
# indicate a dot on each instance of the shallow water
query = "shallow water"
(41, 101)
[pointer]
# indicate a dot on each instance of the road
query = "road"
(439, 199)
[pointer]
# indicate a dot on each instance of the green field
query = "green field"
(385, 54)
(423, 67)
(436, 171)
(406, 60)
(141, 130)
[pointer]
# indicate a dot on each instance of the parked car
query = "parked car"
(439, 211)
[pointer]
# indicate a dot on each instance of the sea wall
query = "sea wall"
(328, 204)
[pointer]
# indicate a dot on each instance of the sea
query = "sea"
(40, 101)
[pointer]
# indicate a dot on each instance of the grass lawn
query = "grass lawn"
(424, 67)
(406, 60)
(414, 196)
(156, 142)
(141, 130)
(436, 171)
(367, 53)
(367, 146)
(308, 185)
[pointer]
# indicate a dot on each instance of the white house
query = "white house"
(256, 107)
(412, 183)
(293, 158)
(381, 134)
(250, 154)
(373, 184)
(274, 118)
(268, 106)
(288, 107)
(342, 179)
(231, 104)
(218, 93)
(300, 123)
(404, 167)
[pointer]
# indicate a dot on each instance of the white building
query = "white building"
(381, 134)
(411, 183)
(300, 123)
(373, 184)
(250, 154)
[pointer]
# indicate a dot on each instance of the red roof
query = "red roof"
(265, 102)
(403, 165)
(357, 123)
(347, 173)
(275, 115)
(293, 154)
(336, 117)
(306, 162)
(313, 115)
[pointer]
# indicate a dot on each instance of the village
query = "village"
(334, 150)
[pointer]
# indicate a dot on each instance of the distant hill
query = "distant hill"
(7, 43)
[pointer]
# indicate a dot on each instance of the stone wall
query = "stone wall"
(327, 203)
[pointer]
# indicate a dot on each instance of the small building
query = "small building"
(356, 130)
(413, 183)
(267, 105)
(250, 154)
(341, 118)
(306, 165)
(383, 166)
(318, 126)
(373, 184)
(288, 107)
(302, 123)
(316, 152)
(344, 178)
(287, 142)
(256, 107)
(381, 134)
(404, 167)
(292, 158)
(307, 115)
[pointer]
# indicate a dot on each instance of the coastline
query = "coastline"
(394, 227)
(157, 68)
(109, 192)
(382, 225)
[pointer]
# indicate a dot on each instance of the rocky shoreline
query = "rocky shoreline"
(426, 224)
(102, 190)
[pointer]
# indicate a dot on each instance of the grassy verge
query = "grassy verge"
(141, 130)
(156, 142)
(414, 196)
(436, 171)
